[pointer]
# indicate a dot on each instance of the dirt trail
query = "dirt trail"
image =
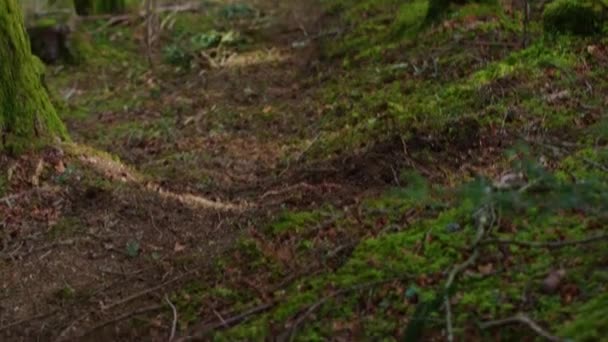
(84, 256)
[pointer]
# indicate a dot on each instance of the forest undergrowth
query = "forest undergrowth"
(341, 170)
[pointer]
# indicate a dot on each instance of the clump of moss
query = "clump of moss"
(573, 17)
(294, 221)
(591, 322)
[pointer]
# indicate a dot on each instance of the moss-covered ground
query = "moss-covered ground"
(402, 177)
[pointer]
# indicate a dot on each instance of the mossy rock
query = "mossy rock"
(573, 17)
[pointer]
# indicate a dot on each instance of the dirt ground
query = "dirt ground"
(89, 242)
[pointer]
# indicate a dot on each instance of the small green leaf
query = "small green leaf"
(132, 248)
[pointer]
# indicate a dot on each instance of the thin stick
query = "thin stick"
(448, 310)
(596, 164)
(481, 230)
(313, 307)
(26, 320)
(550, 244)
(144, 292)
(524, 319)
(124, 316)
(174, 324)
(69, 242)
(448, 318)
(203, 330)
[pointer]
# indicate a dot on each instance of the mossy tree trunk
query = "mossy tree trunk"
(27, 116)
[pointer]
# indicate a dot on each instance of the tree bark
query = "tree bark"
(27, 116)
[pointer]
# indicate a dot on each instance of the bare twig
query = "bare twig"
(455, 271)
(203, 330)
(596, 164)
(219, 316)
(524, 319)
(13, 255)
(298, 159)
(549, 244)
(316, 305)
(122, 317)
(174, 324)
(8, 199)
(483, 221)
(144, 292)
(26, 320)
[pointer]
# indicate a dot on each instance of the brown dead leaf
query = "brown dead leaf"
(37, 172)
(485, 269)
(178, 247)
(60, 167)
(569, 292)
(284, 254)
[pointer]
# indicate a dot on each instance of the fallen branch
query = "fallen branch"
(448, 307)
(549, 244)
(201, 331)
(484, 214)
(144, 292)
(596, 164)
(524, 319)
(174, 324)
(316, 305)
(26, 320)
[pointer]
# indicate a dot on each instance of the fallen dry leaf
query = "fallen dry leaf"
(485, 269)
(178, 247)
(60, 167)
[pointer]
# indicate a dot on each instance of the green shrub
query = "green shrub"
(572, 16)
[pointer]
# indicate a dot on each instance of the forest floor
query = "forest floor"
(265, 173)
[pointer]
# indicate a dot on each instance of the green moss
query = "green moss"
(585, 164)
(27, 116)
(573, 16)
(189, 300)
(66, 227)
(66, 293)
(294, 221)
(79, 47)
(589, 321)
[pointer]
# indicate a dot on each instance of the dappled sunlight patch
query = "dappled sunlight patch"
(257, 57)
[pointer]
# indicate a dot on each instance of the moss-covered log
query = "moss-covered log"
(27, 116)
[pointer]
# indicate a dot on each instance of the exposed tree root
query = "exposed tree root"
(524, 319)
(117, 171)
